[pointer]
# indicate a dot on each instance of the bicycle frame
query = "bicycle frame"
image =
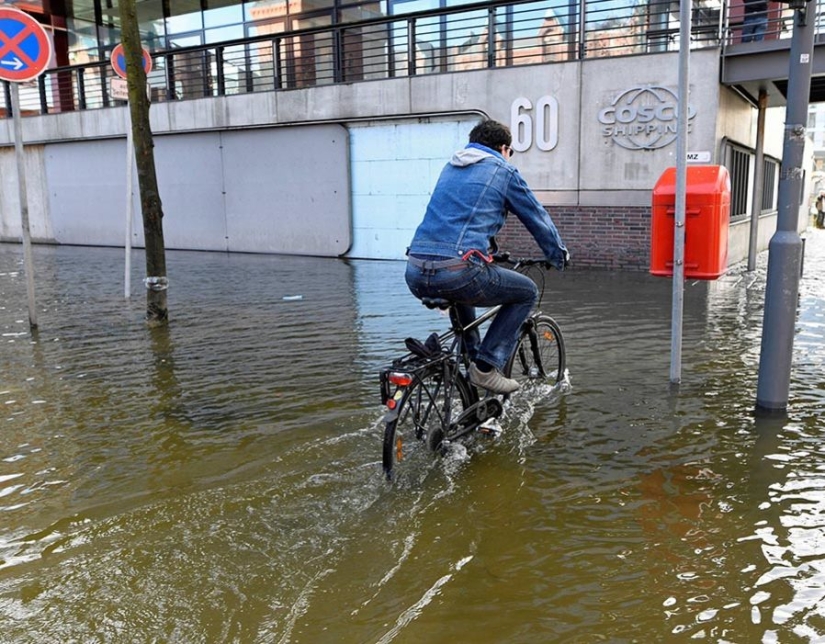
(454, 335)
(413, 370)
(428, 393)
(411, 373)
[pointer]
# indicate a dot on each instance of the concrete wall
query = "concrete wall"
(581, 161)
(37, 189)
(265, 190)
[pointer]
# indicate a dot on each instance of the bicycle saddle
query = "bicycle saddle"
(436, 302)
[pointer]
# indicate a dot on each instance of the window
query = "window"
(223, 34)
(221, 14)
(362, 11)
(427, 37)
(739, 168)
(83, 41)
(739, 161)
(264, 10)
(150, 16)
(185, 16)
(769, 184)
(614, 28)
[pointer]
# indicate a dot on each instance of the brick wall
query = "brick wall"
(616, 239)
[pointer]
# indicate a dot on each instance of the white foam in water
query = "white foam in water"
(493, 428)
(455, 456)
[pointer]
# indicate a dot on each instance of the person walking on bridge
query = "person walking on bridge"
(756, 20)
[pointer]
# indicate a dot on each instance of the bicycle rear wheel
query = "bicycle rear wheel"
(416, 431)
(539, 357)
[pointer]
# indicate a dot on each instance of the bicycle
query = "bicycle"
(429, 398)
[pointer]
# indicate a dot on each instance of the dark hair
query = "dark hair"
(492, 134)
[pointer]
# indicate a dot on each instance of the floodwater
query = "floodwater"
(220, 480)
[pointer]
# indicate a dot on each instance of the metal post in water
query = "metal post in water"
(785, 249)
(685, 10)
(19, 153)
(130, 160)
(758, 180)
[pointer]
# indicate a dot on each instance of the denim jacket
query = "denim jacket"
(469, 206)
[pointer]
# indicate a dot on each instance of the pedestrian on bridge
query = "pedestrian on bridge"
(756, 20)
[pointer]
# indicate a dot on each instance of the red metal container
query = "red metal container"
(707, 210)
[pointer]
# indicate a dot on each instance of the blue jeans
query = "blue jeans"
(753, 27)
(476, 283)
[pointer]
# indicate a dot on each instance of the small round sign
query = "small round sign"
(119, 61)
(25, 47)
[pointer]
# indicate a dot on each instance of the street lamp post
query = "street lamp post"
(785, 248)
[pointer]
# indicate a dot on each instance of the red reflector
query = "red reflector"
(391, 403)
(400, 379)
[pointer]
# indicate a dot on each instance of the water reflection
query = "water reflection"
(219, 480)
(788, 476)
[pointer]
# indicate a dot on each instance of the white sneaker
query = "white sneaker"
(492, 381)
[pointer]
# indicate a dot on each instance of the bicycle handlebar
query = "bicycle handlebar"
(504, 258)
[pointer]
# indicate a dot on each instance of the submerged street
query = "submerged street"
(220, 480)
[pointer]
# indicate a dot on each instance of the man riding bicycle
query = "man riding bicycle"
(449, 257)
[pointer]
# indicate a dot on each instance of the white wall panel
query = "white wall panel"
(288, 190)
(87, 191)
(189, 169)
(11, 224)
(266, 190)
(394, 169)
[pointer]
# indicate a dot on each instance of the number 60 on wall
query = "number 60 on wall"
(539, 124)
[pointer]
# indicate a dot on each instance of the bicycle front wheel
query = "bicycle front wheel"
(417, 430)
(539, 357)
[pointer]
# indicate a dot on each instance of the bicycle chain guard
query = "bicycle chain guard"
(474, 416)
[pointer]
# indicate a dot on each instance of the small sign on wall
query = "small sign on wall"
(119, 89)
(699, 157)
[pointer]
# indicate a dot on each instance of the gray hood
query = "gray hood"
(468, 156)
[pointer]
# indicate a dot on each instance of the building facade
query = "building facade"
(328, 139)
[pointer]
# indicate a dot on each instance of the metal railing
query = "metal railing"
(525, 32)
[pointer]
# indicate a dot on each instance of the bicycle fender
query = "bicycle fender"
(391, 415)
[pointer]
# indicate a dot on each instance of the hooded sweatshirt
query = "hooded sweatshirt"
(469, 206)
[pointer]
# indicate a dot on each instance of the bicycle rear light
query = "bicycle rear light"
(392, 402)
(400, 379)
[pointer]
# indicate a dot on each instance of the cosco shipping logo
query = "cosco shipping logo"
(643, 118)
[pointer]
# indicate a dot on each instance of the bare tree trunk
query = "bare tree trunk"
(156, 280)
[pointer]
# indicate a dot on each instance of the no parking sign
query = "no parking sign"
(25, 51)
(25, 48)
(119, 61)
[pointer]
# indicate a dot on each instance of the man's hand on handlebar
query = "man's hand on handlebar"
(505, 258)
(565, 262)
